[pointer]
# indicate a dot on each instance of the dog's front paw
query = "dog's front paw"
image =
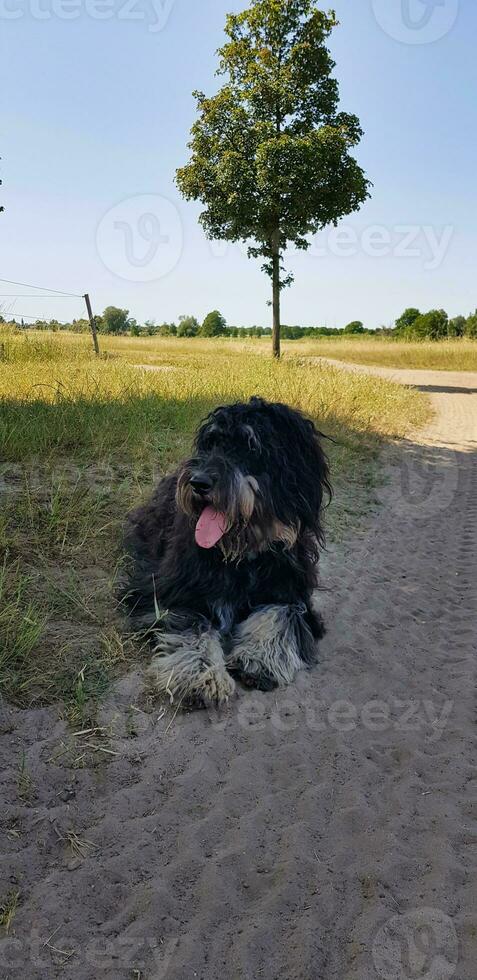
(190, 669)
(259, 679)
(213, 687)
(270, 647)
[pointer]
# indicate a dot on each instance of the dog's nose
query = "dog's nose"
(201, 483)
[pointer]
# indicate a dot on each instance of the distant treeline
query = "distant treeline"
(412, 325)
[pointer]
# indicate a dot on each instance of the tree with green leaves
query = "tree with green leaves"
(78, 326)
(471, 326)
(430, 326)
(114, 320)
(188, 326)
(456, 326)
(407, 318)
(167, 330)
(355, 327)
(214, 325)
(271, 158)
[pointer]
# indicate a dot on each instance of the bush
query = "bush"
(214, 325)
(166, 330)
(407, 319)
(355, 327)
(456, 327)
(188, 326)
(80, 326)
(115, 320)
(429, 326)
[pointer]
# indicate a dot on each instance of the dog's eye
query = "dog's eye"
(211, 438)
(208, 441)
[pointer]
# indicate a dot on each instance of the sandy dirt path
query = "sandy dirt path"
(327, 832)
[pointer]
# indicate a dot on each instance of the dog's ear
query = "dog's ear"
(314, 468)
(304, 481)
(321, 458)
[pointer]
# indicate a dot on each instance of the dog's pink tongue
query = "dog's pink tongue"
(210, 528)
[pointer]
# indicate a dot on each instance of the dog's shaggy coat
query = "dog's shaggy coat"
(239, 607)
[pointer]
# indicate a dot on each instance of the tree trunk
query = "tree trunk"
(276, 293)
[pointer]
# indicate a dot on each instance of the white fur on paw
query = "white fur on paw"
(266, 643)
(214, 686)
(190, 668)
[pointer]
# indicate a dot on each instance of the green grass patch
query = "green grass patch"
(8, 910)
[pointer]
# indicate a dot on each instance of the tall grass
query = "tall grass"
(21, 626)
(459, 354)
(88, 408)
(20, 347)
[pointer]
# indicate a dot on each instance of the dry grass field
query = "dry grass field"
(443, 355)
(83, 438)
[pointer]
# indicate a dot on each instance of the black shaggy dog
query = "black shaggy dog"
(224, 557)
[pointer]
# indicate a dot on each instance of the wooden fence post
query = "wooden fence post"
(92, 323)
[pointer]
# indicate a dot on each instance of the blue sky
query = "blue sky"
(96, 110)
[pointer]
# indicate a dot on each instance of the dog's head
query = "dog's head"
(256, 479)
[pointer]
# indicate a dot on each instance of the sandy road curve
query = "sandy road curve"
(455, 423)
(328, 832)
